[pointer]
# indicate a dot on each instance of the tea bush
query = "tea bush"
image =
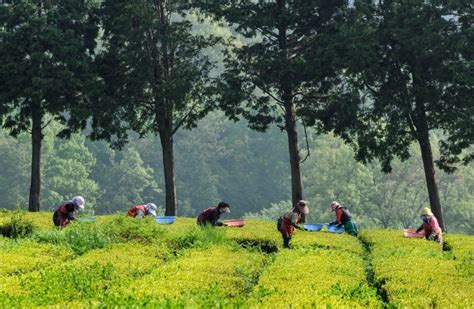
(255, 230)
(201, 276)
(41, 220)
(125, 262)
(17, 227)
(121, 229)
(84, 237)
(325, 240)
(315, 278)
(198, 237)
(90, 277)
(26, 255)
(80, 237)
(462, 247)
(415, 273)
(59, 284)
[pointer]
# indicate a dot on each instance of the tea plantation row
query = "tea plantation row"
(119, 261)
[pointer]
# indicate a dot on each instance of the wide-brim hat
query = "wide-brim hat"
(79, 202)
(334, 205)
(427, 211)
(303, 206)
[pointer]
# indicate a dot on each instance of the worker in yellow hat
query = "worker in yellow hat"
(430, 226)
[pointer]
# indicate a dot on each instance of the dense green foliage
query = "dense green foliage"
(408, 60)
(218, 160)
(98, 264)
(449, 276)
(46, 51)
(17, 227)
(284, 62)
(225, 161)
(155, 78)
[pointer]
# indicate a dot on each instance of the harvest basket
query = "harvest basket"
(165, 219)
(313, 227)
(335, 229)
(411, 233)
(86, 219)
(235, 222)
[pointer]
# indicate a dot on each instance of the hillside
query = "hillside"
(118, 261)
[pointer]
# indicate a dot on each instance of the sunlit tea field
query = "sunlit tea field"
(119, 261)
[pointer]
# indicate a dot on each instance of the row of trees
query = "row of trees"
(381, 75)
(220, 160)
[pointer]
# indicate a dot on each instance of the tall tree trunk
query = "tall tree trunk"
(428, 165)
(422, 134)
(166, 108)
(290, 108)
(170, 180)
(36, 139)
(291, 130)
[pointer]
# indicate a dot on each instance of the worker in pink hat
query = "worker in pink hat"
(343, 218)
(288, 223)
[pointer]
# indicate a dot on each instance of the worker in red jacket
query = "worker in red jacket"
(431, 227)
(65, 213)
(141, 211)
(343, 218)
(288, 222)
(211, 215)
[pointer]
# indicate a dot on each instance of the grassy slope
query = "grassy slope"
(124, 262)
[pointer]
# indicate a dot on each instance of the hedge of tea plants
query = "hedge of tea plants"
(125, 262)
(416, 273)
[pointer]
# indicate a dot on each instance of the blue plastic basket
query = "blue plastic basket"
(335, 229)
(165, 219)
(313, 227)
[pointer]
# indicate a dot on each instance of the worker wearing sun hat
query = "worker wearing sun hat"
(141, 211)
(343, 218)
(65, 213)
(288, 222)
(430, 226)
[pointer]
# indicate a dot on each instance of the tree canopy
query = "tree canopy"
(268, 74)
(409, 62)
(46, 50)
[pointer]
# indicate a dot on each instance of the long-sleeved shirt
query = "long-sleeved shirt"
(209, 215)
(343, 215)
(289, 221)
(64, 214)
(137, 211)
(430, 226)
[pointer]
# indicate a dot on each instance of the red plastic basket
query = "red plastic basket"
(235, 222)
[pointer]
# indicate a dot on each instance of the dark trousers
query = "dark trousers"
(56, 220)
(286, 239)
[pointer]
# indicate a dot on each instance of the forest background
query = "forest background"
(224, 160)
